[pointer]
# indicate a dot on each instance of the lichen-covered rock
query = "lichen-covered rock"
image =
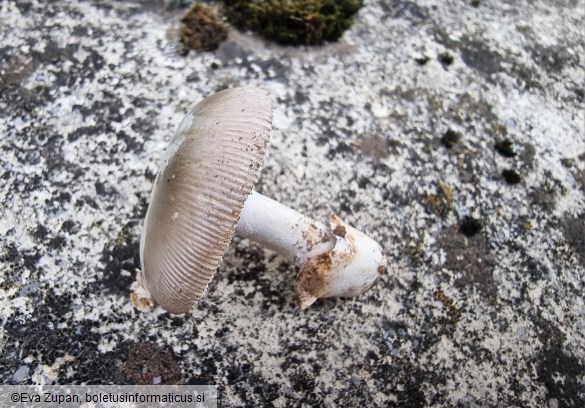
(482, 303)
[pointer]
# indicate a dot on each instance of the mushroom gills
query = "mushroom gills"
(207, 172)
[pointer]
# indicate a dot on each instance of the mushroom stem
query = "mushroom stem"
(335, 260)
(282, 229)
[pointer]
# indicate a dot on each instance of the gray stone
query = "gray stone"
(91, 92)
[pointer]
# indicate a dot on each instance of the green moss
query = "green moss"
(511, 176)
(203, 29)
(505, 147)
(471, 226)
(450, 138)
(422, 60)
(446, 58)
(294, 22)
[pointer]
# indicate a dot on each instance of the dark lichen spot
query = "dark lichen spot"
(42, 341)
(146, 361)
(374, 146)
(560, 372)
(475, 3)
(470, 226)
(528, 154)
(446, 58)
(203, 28)
(574, 229)
(123, 253)
(100, 189)
(118, 258)
(70, 227)
(303, 381)
(546, 194)
(511, 176)
(363, 182)
(405, 10)
(477, 55)
(40, 233)
(422, 60)
(57, 242)
(580, 94)
(295, 22)
(450, 138)
(554, 58)
(505, 147)
(471, 258)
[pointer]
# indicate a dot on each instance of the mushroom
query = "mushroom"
(203, 195)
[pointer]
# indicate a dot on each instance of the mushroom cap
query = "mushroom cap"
(207, 172)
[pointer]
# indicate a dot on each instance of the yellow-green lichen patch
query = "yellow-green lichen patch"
(203, 28)
(414, 245)
(442, 202)
(123, 236)
(293, 22)
(449, 322)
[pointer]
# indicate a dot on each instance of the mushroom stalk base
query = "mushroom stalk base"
(336, 260)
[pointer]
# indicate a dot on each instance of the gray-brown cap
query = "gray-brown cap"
(208, 170)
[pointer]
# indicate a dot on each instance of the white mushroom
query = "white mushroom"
(203, 195)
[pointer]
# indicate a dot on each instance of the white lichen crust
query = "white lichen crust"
(91, 93)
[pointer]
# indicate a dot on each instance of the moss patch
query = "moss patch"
(511, 176)
(203, 29)
(505, 147)
(422, 60)
(471, 258)
(446, 58)
(574, 230)
(294, 22)
(450, 138)
(471, 226)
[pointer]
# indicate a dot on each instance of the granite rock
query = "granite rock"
(482, 304)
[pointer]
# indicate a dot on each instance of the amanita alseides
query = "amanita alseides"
(203, 194)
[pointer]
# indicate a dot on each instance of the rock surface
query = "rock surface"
(451, 132)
